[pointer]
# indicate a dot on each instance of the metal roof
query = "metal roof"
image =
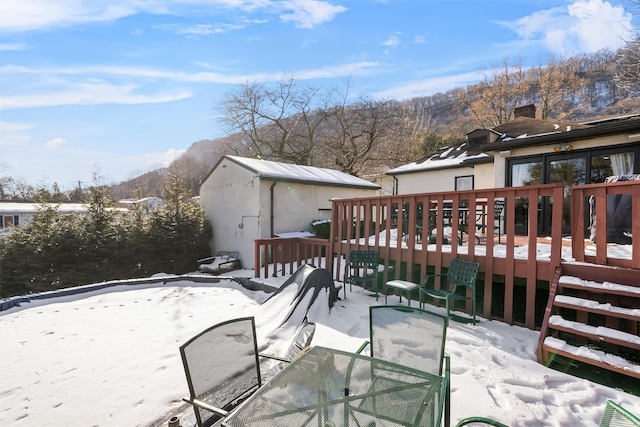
(277, 171)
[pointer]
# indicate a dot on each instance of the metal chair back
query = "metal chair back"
(408, 336)
(362, 269)
(462, 273)
(616, 416)
(221, 364)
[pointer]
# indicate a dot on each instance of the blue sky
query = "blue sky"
(124, 86)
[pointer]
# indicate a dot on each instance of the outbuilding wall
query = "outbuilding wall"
(239, 205)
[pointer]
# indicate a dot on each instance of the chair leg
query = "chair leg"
(473, 304)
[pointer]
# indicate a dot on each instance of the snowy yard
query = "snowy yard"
(110, 357)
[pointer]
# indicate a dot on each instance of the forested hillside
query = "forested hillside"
(287, 121)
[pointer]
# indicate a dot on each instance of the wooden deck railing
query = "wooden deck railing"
(584, 199)
(401, 228)
(408, 233)
(285, 255)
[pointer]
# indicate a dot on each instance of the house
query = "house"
(528, 151)
(250, 199)
(449, 168)
(146, 204)
(13, 214)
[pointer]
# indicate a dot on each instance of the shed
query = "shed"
(248, 199)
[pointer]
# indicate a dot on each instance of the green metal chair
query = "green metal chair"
(407, 336)
(414, 338)
(362, 270)
(615, 415)
(222, 367)
(461, 274)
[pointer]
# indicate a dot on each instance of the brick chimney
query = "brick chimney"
(525, 111)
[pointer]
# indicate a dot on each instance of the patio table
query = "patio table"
(447, 220)
(327, 387)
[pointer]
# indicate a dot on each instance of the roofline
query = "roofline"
(320, 183)
(267, 177)
(465, 163)
(569, 136)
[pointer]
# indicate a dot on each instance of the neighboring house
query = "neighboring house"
(248, 199)
(13, 214)
(527, 151)
(148, 204)
(450, 168)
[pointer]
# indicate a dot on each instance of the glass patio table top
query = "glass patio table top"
(327, 387)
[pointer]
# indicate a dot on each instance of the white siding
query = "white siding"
(238, 204)
(431, 181)
(230, 199)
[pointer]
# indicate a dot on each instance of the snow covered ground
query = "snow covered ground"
(110, 357)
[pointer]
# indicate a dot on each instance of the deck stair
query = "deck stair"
(593, 321)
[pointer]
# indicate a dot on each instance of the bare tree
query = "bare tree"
(627, 75)
(142, 184)
(352, 130)
(628, 68)
(494, 100)
(191, 171)
(277, 120)
(557, 86)
(16, 189)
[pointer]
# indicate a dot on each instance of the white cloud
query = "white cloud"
(171, 154)
(89, 93)
(345, 70)
(11, 135)
(199, 29)
(20, 15)
(6, 127)
(429, 86)
(58, 89)
(583, 26)
(309, 13)
(13, 140)
(392, 41)
(55, 143)
(13, 46)
(154, 160)
(419, 40)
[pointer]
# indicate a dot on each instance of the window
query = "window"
(570, 168)
(7, 221)
(464, 183)
(605, 165)
(526, 173)
(580, 166)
